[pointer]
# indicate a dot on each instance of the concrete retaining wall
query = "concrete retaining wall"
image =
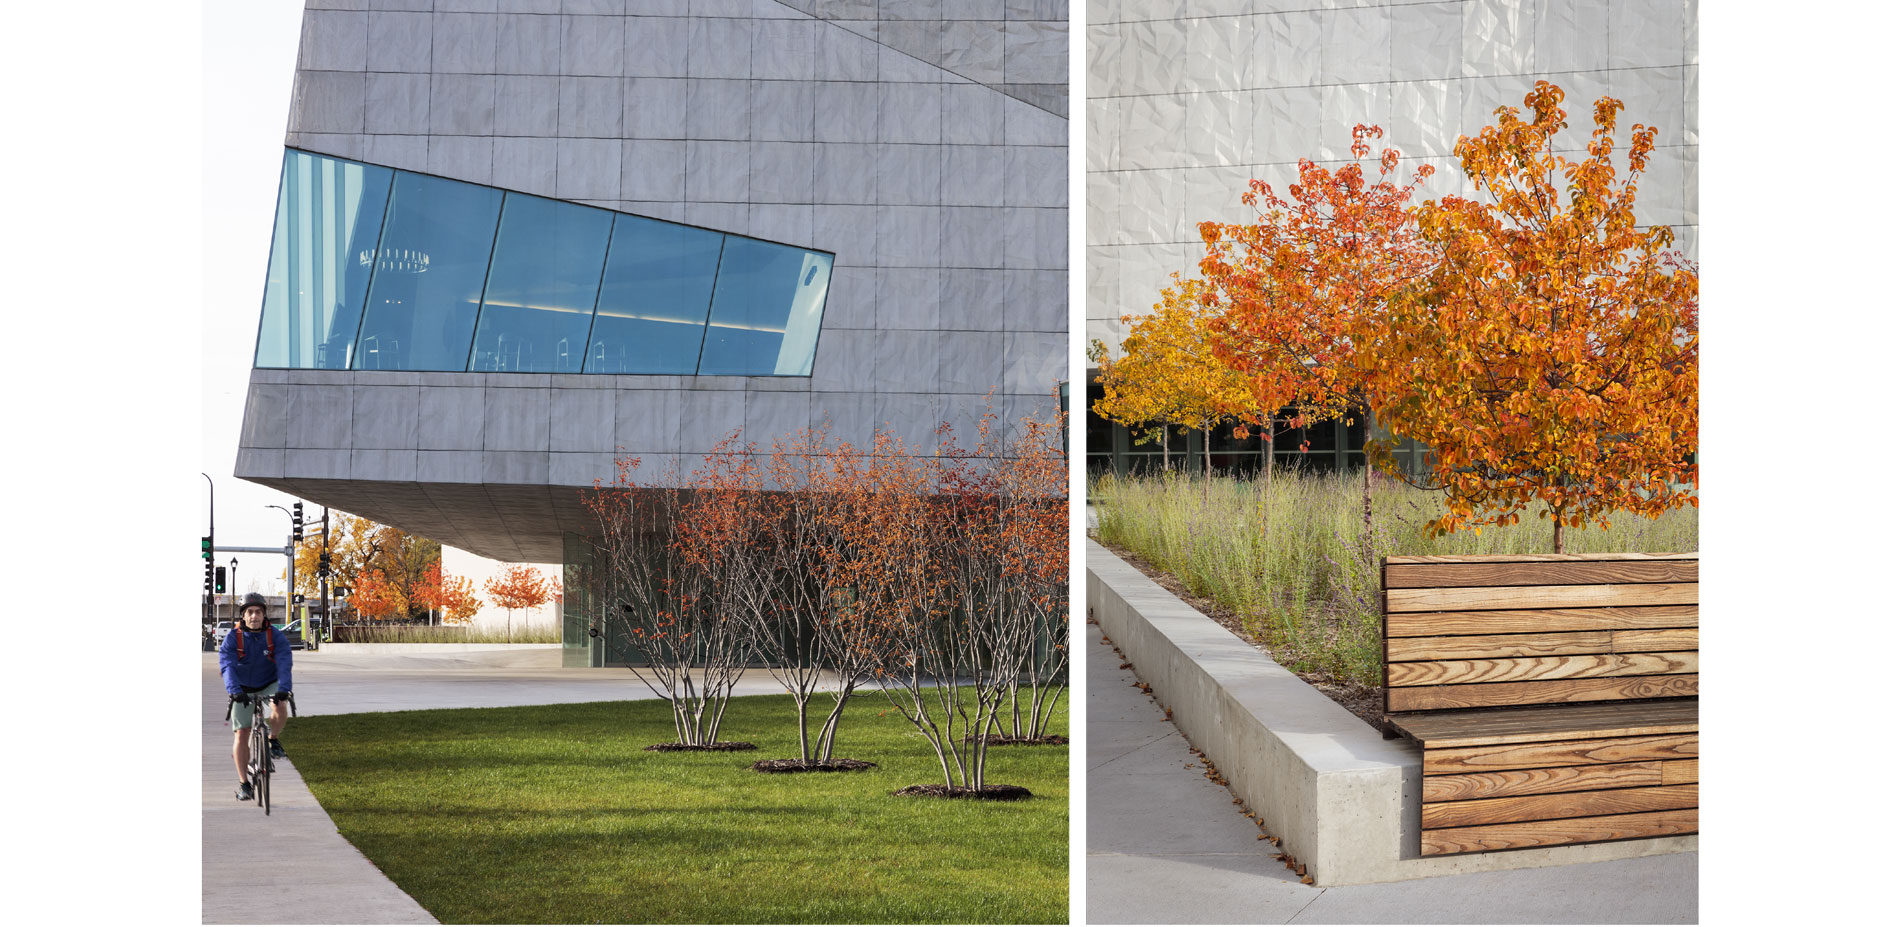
(1344, 800)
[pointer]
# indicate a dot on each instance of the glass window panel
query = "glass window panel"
(328, 214)
(429, 270)
(653, 298)
(766, 309)
(539, 300)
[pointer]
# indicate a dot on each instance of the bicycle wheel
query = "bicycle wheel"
(260, 757)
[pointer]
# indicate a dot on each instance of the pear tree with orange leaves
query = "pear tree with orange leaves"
(1168, 372)
(517, 586)
(454, 595)
(1301, 292)
(1549, 355)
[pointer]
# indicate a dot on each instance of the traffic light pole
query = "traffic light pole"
(323, 587)
(210, 541)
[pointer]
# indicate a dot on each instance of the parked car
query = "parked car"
(218, 632)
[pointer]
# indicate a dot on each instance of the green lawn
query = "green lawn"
(555, 814)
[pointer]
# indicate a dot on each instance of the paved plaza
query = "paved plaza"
(1168, 846)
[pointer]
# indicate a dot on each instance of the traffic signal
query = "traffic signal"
(217, 583)
(296, 522)
(207, 576)
(323, 564)
(204, 547)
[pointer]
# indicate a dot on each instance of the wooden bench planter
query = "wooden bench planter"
(1554, 696)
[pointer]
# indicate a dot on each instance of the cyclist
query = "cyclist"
(255, 660)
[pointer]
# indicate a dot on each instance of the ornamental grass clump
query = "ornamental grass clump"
(1285, 557)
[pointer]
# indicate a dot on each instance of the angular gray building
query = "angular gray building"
(1188, 101)
(518, 238)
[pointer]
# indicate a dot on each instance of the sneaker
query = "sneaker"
(276, 749)
(244, 792)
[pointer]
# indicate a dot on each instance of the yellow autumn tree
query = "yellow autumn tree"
(1168, 373)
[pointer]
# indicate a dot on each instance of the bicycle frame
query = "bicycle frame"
(261, 765)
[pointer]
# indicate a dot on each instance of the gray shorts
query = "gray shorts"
(241, 711)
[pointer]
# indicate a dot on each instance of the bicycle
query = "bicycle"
(261, 764)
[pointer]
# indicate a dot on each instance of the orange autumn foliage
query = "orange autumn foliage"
(1302, 288)
(1550, 354)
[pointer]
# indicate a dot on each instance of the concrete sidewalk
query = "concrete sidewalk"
(1168, 846)
(322, 878)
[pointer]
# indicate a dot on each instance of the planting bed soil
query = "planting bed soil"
(986, 793)
(1365, 702)
(797, 766)
(721, 745)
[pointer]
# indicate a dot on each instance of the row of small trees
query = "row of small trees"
(1537, 339)
(396, 576)
(938, 576)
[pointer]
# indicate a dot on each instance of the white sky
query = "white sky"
(250, 55)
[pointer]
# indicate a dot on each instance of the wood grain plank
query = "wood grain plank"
(1559, 643)
(1560, 805)
(1540, 692)
(1535, 558)
(1554, 833)
(1582, 666)
(1655, 640)
(1550, 722)
(1559, 753)
(1677, 772)
(1538, 620)
(1475, 598)
(1462, 786)
(1430, 575)
(1493, 646)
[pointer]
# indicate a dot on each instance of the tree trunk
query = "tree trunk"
(1557, 533)
(1164, 449)
(1365, 501)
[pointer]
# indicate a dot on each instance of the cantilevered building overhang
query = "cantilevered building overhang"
(511, 247)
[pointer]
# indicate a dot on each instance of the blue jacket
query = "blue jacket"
(254, 670)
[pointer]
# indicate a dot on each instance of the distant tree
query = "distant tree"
(517, 586)
(453, 595)
(376, 597)
(358, 544)
(1168, 373)
(1549, 358)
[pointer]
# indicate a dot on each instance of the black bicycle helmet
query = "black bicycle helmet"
(251, 599)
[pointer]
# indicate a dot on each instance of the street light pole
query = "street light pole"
(232, 594)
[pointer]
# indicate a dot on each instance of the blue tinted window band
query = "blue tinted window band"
(380, 269)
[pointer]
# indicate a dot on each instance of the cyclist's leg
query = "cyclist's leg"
(241, 739)
(279, 716)
(241, 753)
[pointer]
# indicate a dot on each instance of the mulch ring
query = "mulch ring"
(987, 793)
(1046, 739)
(720, 746)
(797, 766)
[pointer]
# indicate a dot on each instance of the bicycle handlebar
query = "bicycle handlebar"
(231, 700)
